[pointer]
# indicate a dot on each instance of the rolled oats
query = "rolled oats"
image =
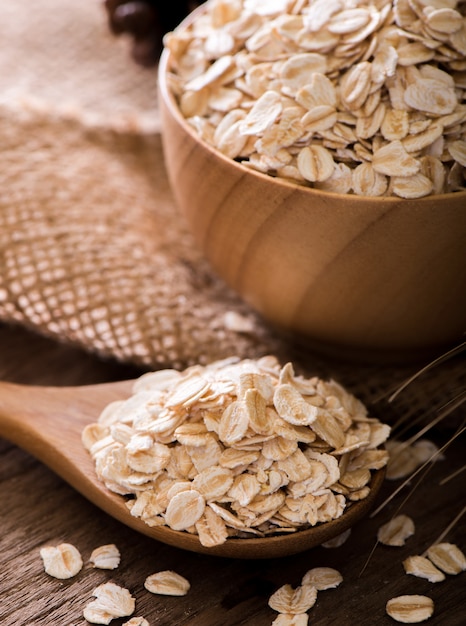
(415, 186)
(211, 529)
(395, 124)
(293, 601)
(421, 567)
(184, 509)
(410, 609)
(396, 531)
(447, 557)
(322, 578)
(105, 557)
(62, 561)
(167, 583)
(289, 73)
(315, 163)
(366, 181)
(237, 447)
(457, 149)
(405, 458)
(111, 601)
(262, 115)
(393, 159)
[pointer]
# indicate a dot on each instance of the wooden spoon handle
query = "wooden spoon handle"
(39, 419)
(47, 422)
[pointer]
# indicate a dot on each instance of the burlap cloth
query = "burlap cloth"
(93, 251)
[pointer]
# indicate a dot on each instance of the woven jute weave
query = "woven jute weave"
(93, 251)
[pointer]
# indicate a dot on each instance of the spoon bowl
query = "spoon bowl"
(47, 422)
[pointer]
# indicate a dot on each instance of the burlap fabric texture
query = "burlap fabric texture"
(93, 251)
(92, 248)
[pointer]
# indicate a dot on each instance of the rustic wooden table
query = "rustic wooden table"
(38, 508)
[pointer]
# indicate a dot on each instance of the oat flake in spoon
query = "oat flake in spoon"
(237, 448)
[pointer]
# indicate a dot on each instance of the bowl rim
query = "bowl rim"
(169, 99)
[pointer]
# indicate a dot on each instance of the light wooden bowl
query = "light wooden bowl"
(365, 277)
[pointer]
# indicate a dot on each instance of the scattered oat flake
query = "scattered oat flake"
(422, 567)
(322, 578)
(293, 601)
(426, 450)
(410, 609)
(105, 557)
(167, 583)
(447, 557)
(402, 461)
(112, 601)
(136, 621)
(62, 561)
(396, 531)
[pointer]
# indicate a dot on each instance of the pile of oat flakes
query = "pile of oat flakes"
(237, 448)
(349, 96)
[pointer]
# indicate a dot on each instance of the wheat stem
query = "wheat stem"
(452, 475)
(453, 523)
(450, 353)
(416, 472)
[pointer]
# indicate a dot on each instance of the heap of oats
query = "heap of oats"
(235, 448)
(350, 96)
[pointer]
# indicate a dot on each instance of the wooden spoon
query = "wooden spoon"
(47, 422)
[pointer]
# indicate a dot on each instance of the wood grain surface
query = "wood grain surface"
(38, 508)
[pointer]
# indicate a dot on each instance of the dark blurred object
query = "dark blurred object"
(146, 21)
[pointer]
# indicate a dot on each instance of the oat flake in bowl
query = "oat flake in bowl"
(370, 275)
(237, 449)
(354, 97)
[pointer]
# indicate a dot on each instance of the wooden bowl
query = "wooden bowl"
(365, 277)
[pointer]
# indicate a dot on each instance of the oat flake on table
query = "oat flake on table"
(61, 561)
(350, 96)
